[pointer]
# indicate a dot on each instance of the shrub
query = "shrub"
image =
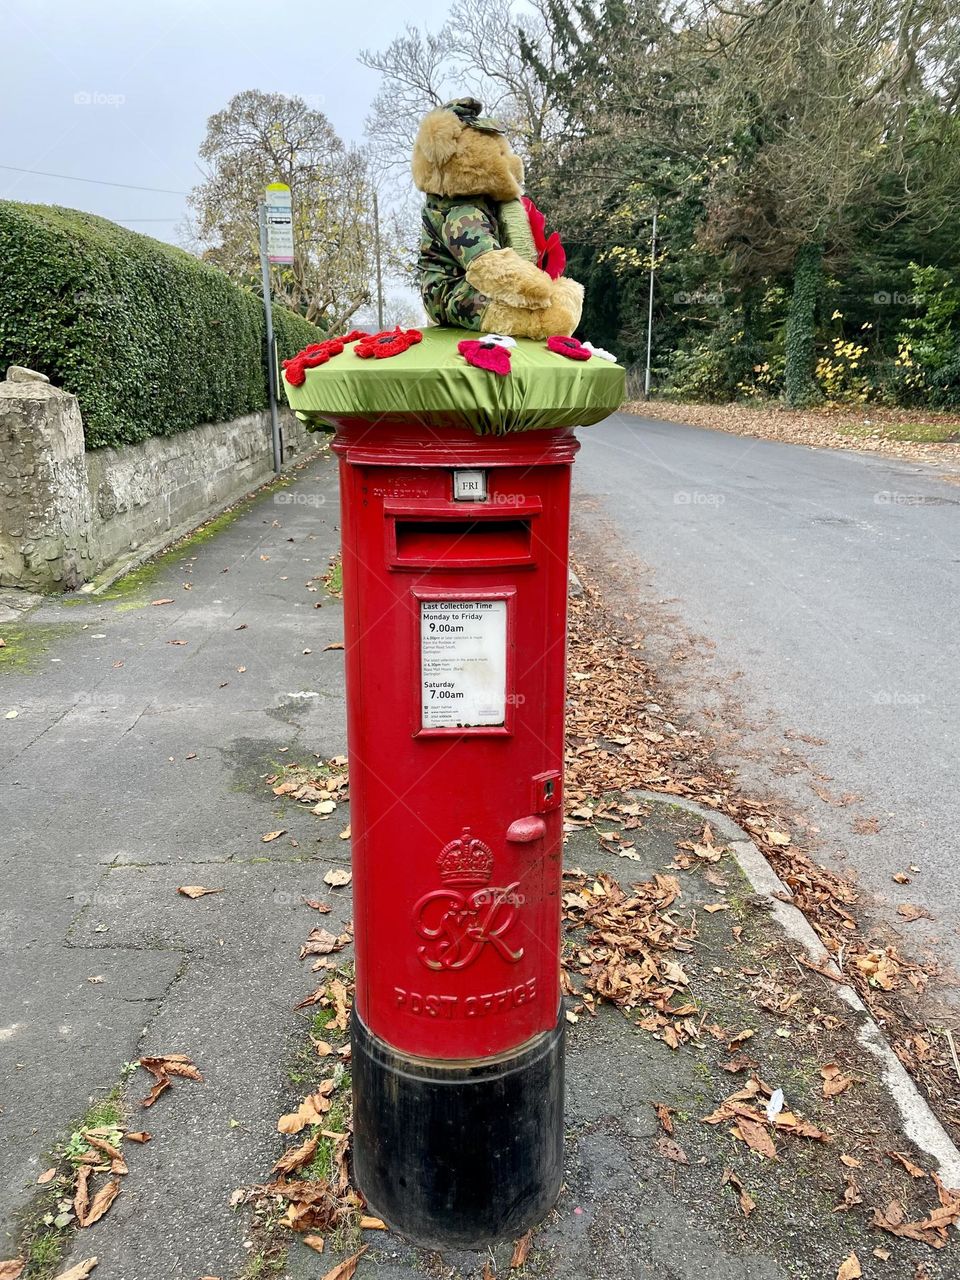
(150, 340)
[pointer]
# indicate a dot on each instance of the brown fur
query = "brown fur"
(504, 275)
(451, 159)
(561, 316)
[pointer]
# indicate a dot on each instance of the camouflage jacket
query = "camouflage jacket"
(455, 231)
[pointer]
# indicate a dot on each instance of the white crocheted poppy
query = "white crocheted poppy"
(600, 353)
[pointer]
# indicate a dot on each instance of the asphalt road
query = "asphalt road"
(831, 581)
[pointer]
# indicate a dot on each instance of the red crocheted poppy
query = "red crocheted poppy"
(295, 369)
(353, 335)
(551, 255)
(485, 355)
(391, 342)
(572, 348)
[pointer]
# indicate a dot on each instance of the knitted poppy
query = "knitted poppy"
(572, 348)
(391, 342)
(600, 352)
(551, 255)
(493, 356)
(353, 335)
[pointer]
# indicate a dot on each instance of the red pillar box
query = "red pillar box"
(455, 569)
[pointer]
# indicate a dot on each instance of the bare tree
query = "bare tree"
(261, 138)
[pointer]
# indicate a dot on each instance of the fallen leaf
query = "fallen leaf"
(345, 833)
(901, 877)
(297, 1157)
(372, 1224)
(834, 1081)
(337, 644)
(338, 877)
(670, 1150)
(711, 907)
(79, 1272)
(314, 1242)
(322, 907)
(195, 890)
(140, 1136)
(156, 602)
(346, 1268)
(747, 1202)
(12, 1268)
(883, 1254)
(663, 1115)
(272, 835)
(100, 1204)
(47, 1176)
(323, 1048)
(81, 1193)
(851, 1162)
(850, 1268)
(910, 912)
(489, 1271)
(521, 1251)
(914, 1170)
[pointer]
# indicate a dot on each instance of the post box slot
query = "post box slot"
(463, 542)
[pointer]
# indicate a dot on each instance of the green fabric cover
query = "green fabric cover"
(432, 384)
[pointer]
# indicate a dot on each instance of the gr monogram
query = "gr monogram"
(458, 921)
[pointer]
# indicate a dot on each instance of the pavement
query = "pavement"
(819, 587)
(140, 731)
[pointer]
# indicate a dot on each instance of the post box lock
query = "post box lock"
(546, 791)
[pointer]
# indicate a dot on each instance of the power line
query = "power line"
(99, 182)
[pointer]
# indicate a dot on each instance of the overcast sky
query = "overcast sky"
(120, 90)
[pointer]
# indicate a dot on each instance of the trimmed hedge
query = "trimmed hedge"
(149, 339)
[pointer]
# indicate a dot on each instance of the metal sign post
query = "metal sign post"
(276, 245)
(653, 273)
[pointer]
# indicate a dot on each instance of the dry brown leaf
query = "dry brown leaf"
(316, 1243)
(100, 1203)
(195, 890)
(272, 835)
(914, 1170)
(337, 644)
(296, 1157)
(337, 877)
(663, 1115)
(156, 602)
(757, 1137)
(850, 1268)
(12, 1268)
(747, 1202)
(117, 1163)
(489, 1271)
(834, 1081)
(79, 1272)
(48, 1175)
(139, 1135)
(346, 1268)
(910, 912)
(81, 1193)
(521, 1250)
(851, 1162)
(322, 907)
(372, 1224)
(670, 1150)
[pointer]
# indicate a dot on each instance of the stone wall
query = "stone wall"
(67, 516)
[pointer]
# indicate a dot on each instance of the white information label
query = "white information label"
(463, 662)
(279, 217)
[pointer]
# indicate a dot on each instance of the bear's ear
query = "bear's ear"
(437, 140)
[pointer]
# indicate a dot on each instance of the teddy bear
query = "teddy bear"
(479, 257)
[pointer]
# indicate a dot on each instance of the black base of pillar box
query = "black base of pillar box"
(456, 1154)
